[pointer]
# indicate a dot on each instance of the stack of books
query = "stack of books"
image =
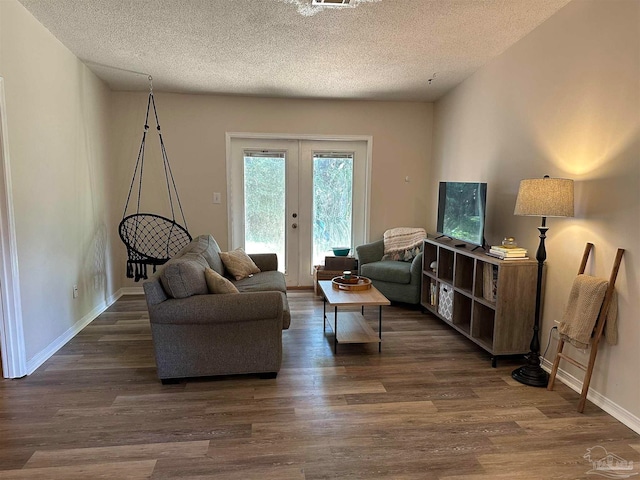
(508, 253)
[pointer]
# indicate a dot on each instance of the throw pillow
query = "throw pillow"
(403, 256)
(239, 264)
(216, 283)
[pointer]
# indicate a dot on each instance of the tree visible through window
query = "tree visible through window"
(332, 204)
(265, 205)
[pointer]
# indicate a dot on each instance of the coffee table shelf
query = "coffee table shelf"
(354, 329)
(351, 327)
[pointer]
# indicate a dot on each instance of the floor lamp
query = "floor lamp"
(541, 197)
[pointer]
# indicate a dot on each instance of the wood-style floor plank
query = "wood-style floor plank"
(85, 456)
(107, 471)
(428, 407)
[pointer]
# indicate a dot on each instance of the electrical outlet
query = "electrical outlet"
(75, 291)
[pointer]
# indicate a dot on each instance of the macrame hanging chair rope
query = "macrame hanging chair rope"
(151, 239)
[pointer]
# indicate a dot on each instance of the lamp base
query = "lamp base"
(532, 375)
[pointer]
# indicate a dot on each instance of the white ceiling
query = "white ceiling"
(379, 49)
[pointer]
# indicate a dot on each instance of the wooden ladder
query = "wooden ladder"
(597, 331)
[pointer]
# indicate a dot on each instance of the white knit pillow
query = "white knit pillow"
(238, 263)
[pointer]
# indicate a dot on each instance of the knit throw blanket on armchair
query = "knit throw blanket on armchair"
(403, 243)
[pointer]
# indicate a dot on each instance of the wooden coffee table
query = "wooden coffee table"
(353, 328)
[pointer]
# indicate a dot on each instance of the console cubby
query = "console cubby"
(430, 255)
(462, 311)
(486, 281)
(445, 265)
(463, 273)
(430, 293)
(493, 300)
(483, 324)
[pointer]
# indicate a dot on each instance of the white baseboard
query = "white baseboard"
(61, 341)
(613, 409)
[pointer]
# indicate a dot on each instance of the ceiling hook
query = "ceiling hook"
(150, 84)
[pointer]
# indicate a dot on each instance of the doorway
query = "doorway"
(12, 349)
(298, 198)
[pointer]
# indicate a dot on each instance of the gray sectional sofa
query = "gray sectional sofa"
(197, 333)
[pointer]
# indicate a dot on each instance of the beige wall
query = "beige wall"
(59, 158)
(194, 128)
(563, 101)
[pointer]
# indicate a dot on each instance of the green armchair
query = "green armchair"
(397, 280)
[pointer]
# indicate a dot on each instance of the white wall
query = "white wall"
(564, 101)
(194, 128)
(57, 116)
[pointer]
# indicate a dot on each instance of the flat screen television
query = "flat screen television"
(461, 211)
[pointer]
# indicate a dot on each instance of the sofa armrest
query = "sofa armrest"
(153, 291)
(218, 308)
(266, 262)
(416, 269)
(370, 252)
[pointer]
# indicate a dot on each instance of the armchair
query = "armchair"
(397, 280)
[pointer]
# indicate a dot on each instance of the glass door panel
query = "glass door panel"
(332, 204)
(265, 204)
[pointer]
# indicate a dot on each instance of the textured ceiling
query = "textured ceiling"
(381, 50)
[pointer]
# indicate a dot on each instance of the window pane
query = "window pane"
(332, 204)
(264, 212)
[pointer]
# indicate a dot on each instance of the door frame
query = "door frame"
(368, 139)
(14, 358)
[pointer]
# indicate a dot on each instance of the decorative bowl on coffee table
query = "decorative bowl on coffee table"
(354, 283)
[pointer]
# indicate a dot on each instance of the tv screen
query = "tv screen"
(461, 211)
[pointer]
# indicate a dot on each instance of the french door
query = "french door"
(297, 198)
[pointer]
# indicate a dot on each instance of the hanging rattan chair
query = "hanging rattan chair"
(151, 239)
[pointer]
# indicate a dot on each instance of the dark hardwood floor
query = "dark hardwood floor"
(428, 407)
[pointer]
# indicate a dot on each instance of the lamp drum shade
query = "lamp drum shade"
(545, 197)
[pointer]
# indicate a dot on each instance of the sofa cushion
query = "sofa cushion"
(183, 276)
(388, 271)
(206, 246)
(238, 263)
(262, 282)
(216, 283)
(265, 261)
